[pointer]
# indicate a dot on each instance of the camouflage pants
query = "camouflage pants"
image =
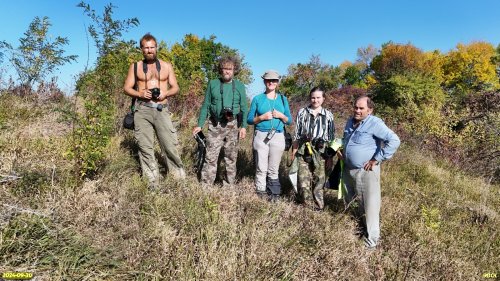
(149, 121)
(310, 182)
(221, 135)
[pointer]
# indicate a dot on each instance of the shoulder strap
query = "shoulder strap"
(135, 76)
(145, 67)
(222, 92)
(158, 67)
(323, 120)
(282, 101)
(311, 125)
(132, 105)
(232, 102)
(221, 86)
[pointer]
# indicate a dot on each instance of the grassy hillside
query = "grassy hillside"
(437, 223)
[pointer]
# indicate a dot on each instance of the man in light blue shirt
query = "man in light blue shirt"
(367, 142)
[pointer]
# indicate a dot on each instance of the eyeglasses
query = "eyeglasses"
(271, 81)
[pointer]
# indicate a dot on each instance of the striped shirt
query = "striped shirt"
(308, 126)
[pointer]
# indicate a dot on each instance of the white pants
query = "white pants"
(268, 157)
(364, 186)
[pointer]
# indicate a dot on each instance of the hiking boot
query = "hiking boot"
(274, 198)
(317, 209)
(262, 195)
(369, 245)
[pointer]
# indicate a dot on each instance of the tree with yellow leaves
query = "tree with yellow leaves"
(470, 68)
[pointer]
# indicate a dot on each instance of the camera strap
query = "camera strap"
(222, 93)
(272, 109)
(145, 69)
(283, 102)
(132, 105)
(323, 123)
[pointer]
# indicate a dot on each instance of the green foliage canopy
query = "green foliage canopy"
(106, 31)
(99, 89)
(302, 77)
(195, 62)
(37, 56)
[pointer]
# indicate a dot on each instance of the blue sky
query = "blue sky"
(270, 34)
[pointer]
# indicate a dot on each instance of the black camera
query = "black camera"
(318, 144)
(329, 152)
(270, 135)
(200, 138)
(155, 93)
(227, 114)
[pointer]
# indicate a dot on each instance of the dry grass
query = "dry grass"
(437, 223)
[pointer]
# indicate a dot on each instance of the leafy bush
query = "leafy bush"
(415, 100)
(476, 131)
(195, 62)
(37, 56)
(99, 90)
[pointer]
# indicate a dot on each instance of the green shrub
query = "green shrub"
(92, 134)
(415, 101)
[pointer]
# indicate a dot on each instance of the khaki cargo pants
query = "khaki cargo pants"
(148, 122)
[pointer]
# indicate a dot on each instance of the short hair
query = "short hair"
(369, 101)
(316, 89)
(147, 37)
(232, 59)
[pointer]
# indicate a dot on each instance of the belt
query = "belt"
(150, 104)
(279, 132)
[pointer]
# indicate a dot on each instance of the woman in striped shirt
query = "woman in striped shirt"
(314, 130)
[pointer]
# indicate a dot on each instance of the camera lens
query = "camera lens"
(318, 143)
(329, 152)
(227, 113)
(155, 93)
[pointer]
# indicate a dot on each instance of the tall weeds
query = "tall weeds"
(437, 223)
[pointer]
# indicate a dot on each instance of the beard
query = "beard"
(150, 57)
(227, 78)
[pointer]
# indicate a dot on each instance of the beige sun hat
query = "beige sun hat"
(271, 74)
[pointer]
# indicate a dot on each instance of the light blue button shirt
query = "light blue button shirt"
(364, 143)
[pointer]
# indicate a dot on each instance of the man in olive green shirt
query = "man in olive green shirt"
(226, 107)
